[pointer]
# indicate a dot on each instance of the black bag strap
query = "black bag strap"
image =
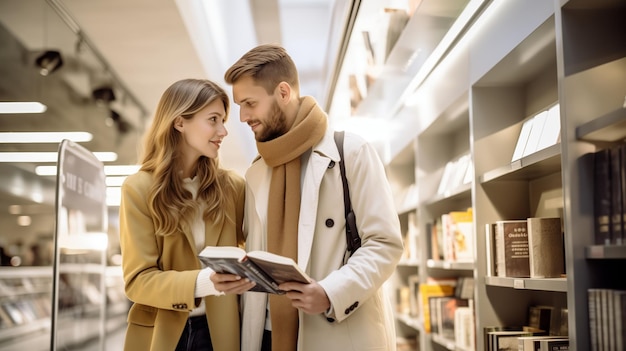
(352, 234)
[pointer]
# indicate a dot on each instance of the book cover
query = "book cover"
(622, 240)
(564, 322)
(464, 325)
(462, 235)
(545, 244)
(512, 249)
(602, 196)
(268, 270)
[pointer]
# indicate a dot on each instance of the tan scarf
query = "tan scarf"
(283, 155)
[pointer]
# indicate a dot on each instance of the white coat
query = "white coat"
(361, 316)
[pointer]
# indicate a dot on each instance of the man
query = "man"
(294, 207)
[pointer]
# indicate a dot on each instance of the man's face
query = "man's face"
(259, 110)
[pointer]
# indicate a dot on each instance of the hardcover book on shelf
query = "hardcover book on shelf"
(540, 317)
(532, 343)
(462, 235)
(561, 344)
(617, 207)
(464, 325)
(602, 196)
(545, 247)
(563, 322)
(268, 270)
(512, 249)
(428, 290)
(446, 309)
(490, 333)
(619, 306)
(594, 336)
(490, 249)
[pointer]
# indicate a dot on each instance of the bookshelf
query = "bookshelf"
(511, 61)
(29, 289)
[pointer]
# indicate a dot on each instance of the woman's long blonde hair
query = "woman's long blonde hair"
(172, 207)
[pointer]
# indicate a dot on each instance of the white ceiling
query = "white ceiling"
(149, 44)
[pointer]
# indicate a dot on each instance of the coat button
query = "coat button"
(330, 223)
(347, 311)
(331, 164)
(330, 320)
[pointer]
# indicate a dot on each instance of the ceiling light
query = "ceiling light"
(112, 170)
(21, 157)
(49, 62)
(22, 107)
(43, 137)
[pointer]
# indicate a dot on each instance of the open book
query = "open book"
(266, 269)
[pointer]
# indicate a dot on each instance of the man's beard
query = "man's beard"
(275, 126)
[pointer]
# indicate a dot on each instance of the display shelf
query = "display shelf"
(440, 340)
(544, 284)
(451, 265)
(606, 252)
(536, 165)
(410, 321)
(610, 127)
(515, 60)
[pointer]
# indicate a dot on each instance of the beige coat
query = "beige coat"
(361, 317)
(160, 274)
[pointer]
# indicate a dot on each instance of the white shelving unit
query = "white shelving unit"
(509, 61)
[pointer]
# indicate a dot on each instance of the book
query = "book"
(464, 325)
(622, 182)
(535, 133)
(428, 290)
(532, 343)
(619, 308)
(593, 322)
(266, 269)
(540, 317)
(617, 210)
(556, 344)
(462, 236)
(545, 247)
(564, 322)
(490, 249)
(551, 128)
(602, 196)
(522, 139)
(512, 249)
(446, 310)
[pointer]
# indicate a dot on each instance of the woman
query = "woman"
(179, 202)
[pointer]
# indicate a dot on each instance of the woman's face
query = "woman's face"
(203, 133)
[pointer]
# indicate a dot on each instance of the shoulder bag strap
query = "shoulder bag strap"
(352, 235)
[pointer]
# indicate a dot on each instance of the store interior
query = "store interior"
(433, 85)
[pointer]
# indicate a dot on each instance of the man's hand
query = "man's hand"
(231, 283)
(310, 298)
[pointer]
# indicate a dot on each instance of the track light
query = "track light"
(115, 119)
(49, 62)
(103, 95)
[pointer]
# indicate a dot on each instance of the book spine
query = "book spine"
(263, 279)
(513, 248)
(593, 331)
(602, 196)
(622, 182)
(616, 195)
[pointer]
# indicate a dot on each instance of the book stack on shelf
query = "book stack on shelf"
(607, 313)
(538, 132)
(456, 173)
(543, 331)
(529, 248)
(452, 237)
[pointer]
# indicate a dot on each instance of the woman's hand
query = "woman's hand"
(231, 283)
